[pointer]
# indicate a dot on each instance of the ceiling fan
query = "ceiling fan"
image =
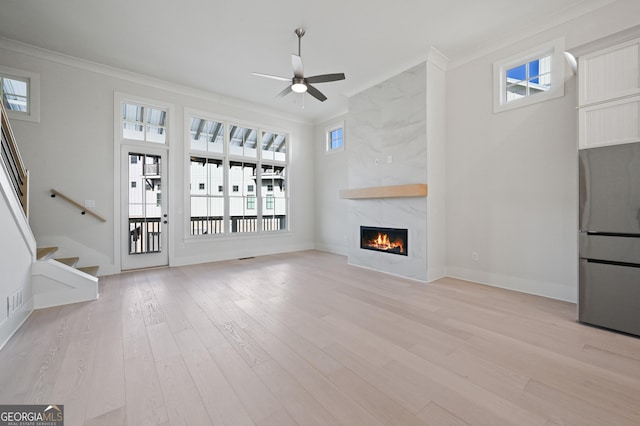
(300, 83)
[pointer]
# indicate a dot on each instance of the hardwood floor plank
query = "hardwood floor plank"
(256, 398)
(371, 399)
(145, 402)
(107, 389)
(222, 403)
(163, 345)
(249, 350)
(435, 415)
(183, 402)
(148, 302)
(300, 405)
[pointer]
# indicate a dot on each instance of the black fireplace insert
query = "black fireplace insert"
(388, 240)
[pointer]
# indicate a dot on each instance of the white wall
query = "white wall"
(17, 251)
(72, 149)
(512, 176)
(436, 171)
(331, 175)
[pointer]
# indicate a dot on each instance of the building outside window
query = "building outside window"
(249, 162)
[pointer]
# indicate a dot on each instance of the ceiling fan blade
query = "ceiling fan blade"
(275, 77)
(285, 92)
(325, 78)
(298, 70)
(316, 93)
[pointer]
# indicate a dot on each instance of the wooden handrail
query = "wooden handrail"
(83, 209)
(16, 170)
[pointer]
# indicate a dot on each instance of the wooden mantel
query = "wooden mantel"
(411, 190)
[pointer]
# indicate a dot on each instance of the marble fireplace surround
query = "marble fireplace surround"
(389, 121)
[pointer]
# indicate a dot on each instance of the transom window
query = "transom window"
(242, 164)
(144, 123)
(531, 77)
(335, 138)
(528, 79)
(19, 91)
(14, 93)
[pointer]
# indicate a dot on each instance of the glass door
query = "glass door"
(144, 208)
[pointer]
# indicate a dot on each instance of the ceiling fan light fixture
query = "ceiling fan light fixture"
(298, 85)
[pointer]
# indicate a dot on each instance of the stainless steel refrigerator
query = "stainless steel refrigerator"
(609, 275)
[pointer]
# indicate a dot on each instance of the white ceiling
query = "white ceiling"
(214, 45)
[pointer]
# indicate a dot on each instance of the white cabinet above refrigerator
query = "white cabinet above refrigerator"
(609, 96)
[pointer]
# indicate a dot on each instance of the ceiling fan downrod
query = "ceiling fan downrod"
(299, 32)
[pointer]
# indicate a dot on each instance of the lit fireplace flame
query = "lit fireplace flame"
(382, 242)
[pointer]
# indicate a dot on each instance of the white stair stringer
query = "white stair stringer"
(56, 284)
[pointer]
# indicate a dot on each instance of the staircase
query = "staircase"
(57, 281)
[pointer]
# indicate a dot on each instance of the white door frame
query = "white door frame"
(119, 146)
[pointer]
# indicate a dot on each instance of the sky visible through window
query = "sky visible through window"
(336, 139)
(528, 79)
(520, 73)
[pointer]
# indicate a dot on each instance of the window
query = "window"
(531, 77)
(528, 79)
(206, 135)
(207, 209)
(335, 138)
(134, 184)
(251, 203)
(246, 162)
(134, 159)
(20, 92)
(144, 123)
(201, 186)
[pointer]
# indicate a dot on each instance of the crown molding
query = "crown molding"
(522, 33)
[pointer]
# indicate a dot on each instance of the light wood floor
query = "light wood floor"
(305, 339)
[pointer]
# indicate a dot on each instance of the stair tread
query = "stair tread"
(43, 252)
(69, 261)
(91, 270)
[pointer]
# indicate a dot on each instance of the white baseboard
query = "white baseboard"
(558, 291)
(12, 324)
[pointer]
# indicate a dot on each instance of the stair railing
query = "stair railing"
(12, 161)
(83, 210)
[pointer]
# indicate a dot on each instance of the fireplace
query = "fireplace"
(387, 240)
